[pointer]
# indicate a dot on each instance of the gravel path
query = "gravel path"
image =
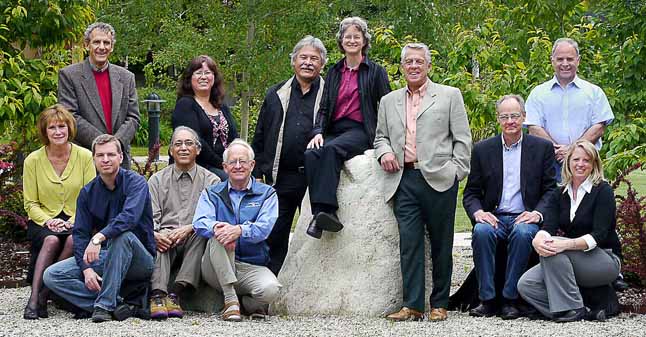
(60, 323)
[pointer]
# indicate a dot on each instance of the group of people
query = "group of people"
(106, 241)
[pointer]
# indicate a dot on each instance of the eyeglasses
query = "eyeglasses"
(236, 162)
(188, 143)
(513, 117)
(412, 62)
(203, 73)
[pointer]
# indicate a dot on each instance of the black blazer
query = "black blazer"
(189, 113)
(595, 216)
(537, 177)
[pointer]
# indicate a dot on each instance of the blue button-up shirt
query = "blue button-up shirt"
(511, 199)
(112, 212)
(566, 113)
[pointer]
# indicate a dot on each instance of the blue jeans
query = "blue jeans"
(125, 259)
(519, 246)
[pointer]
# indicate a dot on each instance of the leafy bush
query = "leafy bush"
(13, 218)
(631, 227)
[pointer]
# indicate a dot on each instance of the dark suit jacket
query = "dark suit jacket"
(77, 91)
(595, 216)
(537, 177)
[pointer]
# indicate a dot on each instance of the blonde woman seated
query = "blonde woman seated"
(53, 176)
(587, 255)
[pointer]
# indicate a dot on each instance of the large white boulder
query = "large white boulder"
(354, 271)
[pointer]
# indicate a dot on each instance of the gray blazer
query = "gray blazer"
(77, 91)
(443, 138)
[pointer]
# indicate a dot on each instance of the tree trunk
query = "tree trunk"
(247, 93)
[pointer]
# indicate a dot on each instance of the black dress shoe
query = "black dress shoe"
(509, 311)
(329, 222)
(30, 313)
(101, 315)
(313, 230)
(42, 311)
(596, 315)
(485, 309)
(571, 316)
(620, 285)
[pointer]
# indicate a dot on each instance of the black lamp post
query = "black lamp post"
(153, 103)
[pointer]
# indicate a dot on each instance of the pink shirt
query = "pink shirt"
(413, 102)
(348, 102)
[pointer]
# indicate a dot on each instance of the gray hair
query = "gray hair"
(357, 22)
(311, 41)
(196, 138)
(238, 142)
(418, 46)
(518, 99)
(565, 40)
(102, 26)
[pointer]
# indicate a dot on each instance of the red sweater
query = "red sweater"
(105, 94)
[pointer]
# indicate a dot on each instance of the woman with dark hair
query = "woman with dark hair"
(52, 179)
(346, 123)
(588, 253)
(199, 107)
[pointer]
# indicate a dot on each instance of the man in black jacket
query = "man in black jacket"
(284, 126)
(508, 195)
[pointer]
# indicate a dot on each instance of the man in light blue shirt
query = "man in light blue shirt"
(237, 216)
(567, 108)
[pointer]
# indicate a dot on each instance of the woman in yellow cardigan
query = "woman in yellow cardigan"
(52, 179)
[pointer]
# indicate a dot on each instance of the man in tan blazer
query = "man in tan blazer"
(423, 142)
(101, 96)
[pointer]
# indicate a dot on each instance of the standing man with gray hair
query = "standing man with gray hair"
(284, 127)
(567, 108)
(101, 96)
(174, 192)
(423, 143)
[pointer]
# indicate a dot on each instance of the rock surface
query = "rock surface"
(354, 271)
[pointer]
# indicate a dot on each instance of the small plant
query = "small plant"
(151, 165)
(13, 218)
(631, 227)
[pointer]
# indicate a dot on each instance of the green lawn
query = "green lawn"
(143, 151)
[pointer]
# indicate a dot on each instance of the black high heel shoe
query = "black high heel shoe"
(30, 313)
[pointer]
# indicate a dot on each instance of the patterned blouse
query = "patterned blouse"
(220, 128)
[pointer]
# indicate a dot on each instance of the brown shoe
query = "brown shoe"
(438, 314)
(231, 312)
(406, 314)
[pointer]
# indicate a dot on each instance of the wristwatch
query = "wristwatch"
(96, 241)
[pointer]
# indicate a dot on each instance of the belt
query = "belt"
(411, 165)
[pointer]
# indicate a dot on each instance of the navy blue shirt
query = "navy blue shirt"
(113, 212)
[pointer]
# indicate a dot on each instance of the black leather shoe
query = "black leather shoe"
(30, 313)
(620, 285)
(42, 311)
(596, 315)
(571, 316)
(101, 315)
(122, 312)
(313, 230)
(485, 309)
(329, 222)
(509, 311)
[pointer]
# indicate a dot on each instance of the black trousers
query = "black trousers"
(345, 140)
(290, 188)
(421, 210)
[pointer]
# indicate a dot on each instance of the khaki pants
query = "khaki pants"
(219, 267)
(190, 252)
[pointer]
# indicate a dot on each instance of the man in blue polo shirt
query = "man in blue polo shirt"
(113, 236)
(237, 216)
(567, 107)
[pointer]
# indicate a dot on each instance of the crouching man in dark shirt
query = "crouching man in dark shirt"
(113, 236)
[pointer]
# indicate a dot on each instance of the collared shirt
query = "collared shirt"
(102, 69)
(581, 191)
(413, 102)
(566, 113)
(112, 212)
(348, 102)
(174, 194)
(511, 199)
(298, 125)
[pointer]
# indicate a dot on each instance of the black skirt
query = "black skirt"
(37, 234)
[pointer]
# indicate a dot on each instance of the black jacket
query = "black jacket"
(373, 84)
(595, 216)
(537, 177)
(189, 113)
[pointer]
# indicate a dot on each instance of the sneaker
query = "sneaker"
(172, 306)
(158, 309)
(101, 315)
